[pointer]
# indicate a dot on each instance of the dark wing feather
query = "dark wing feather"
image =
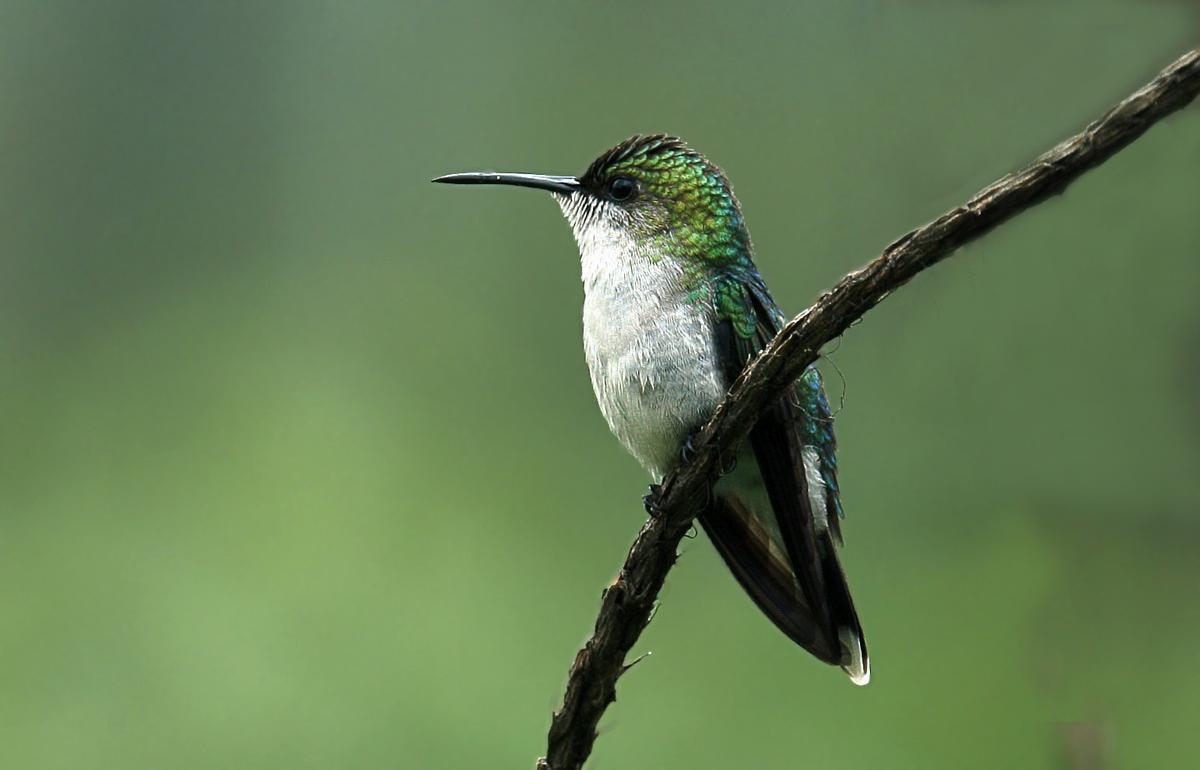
(746, 550)
(813, 607)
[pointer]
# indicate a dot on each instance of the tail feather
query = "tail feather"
(855, 661)
(811, 605)
(859, 665)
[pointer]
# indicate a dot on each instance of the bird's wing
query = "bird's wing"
(776, 523)
(816, 429)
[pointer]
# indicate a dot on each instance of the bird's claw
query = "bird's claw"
(650, 501)
(688, 450)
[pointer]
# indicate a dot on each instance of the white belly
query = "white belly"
(651, 355)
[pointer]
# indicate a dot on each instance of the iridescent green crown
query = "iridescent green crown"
(694, 199)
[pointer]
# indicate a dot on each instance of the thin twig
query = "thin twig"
(627, 603)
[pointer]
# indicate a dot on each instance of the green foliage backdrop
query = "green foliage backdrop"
(299, 463)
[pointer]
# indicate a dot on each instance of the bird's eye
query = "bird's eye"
(622, 188)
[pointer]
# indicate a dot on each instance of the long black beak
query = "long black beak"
(558, 184)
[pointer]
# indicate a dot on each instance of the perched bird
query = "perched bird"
(673, 309)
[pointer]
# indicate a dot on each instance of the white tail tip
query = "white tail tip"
(859, 666)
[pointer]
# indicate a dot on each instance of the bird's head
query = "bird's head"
(654, 194)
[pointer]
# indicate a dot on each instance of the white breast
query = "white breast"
(649, 349)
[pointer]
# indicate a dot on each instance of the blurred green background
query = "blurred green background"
(299, 461)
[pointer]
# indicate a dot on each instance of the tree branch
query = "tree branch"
(626, 604)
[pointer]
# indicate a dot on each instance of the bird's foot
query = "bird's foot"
(688, 450)
(650, 501)
(687, 453)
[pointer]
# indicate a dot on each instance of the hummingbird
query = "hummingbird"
(674, 308)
